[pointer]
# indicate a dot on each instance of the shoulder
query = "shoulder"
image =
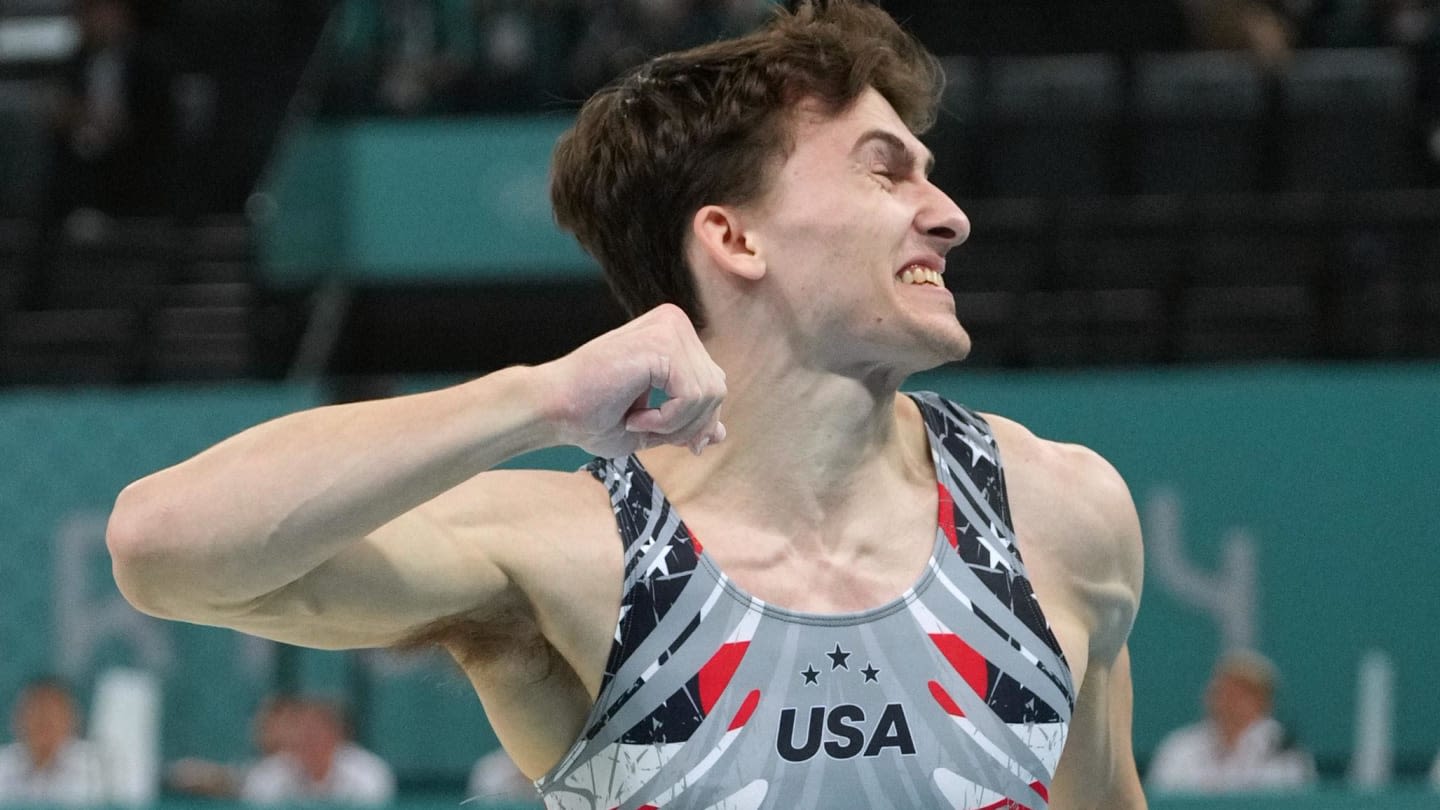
(1185, 739)
(1072, 507)
(358, 758)
(270, 767)
(82, 753)
(10, 755)
(551, 538)
(269, 779)
(517, 518)
(361, 774)
(514, 518)
(524, 497)
(1079, 485)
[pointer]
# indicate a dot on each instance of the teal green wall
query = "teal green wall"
(1331, 471)
(1334, 472)
(68, 455)
(434, 200)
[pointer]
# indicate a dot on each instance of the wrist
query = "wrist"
(531, 395)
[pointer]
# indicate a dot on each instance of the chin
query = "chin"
(948, 345)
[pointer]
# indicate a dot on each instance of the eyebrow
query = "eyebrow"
(893, 142)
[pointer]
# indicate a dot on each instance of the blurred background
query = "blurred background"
(1206, 243)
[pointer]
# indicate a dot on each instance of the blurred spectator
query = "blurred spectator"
(496, 778)
(48, 763)
(1258, 28)
(407, 57)
(270, 730)
(1240, 746)
(317, 762)
(114, 121)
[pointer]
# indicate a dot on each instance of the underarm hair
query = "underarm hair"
(508, 636)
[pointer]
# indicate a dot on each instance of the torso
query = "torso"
(863, 613)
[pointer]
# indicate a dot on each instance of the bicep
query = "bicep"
(437, 561)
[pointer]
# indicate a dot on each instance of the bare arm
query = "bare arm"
(1074, 512)
(332, 527)
(1098, 768)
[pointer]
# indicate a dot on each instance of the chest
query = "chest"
(791, 693)
(869, 564)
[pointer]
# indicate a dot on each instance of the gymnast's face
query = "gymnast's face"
(854, 237)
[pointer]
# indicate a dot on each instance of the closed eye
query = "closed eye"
(887, 176)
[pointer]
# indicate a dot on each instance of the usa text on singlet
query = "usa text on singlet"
(954, 695)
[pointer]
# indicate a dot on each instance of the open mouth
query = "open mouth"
(916, 274)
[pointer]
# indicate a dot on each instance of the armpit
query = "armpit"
(507, 642)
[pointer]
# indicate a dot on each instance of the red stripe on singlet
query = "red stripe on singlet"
(947, 516)
(970, 664)
(718, 671)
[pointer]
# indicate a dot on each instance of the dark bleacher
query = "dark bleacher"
(142, 300)
(1156, 209)
(1200, 124)
(1053, 125)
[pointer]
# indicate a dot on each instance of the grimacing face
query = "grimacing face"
(855, 236)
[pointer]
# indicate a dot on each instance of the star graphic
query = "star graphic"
(624, 611)
(837, 658)
(870, 672)
(662, 565)
(810, 675)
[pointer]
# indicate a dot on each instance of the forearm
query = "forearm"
(263, 508)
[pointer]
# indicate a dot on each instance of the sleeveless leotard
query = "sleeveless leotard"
(953, 695)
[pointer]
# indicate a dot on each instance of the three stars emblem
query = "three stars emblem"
(839, 659)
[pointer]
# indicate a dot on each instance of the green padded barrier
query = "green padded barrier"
(1331, 472)
(68, 454)
(419, 201)
(1327, 474)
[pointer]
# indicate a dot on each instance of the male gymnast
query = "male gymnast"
(841, 595)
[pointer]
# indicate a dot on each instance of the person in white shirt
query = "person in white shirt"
(48, 763)
(1240, 746)
(270, 728)
(318, 763)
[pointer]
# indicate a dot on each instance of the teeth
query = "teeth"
(921, 275)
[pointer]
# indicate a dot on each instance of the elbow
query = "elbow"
(136, 538)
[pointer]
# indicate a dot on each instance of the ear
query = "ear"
(719, 231)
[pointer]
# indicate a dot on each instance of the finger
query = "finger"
(641, 403)
(671, 419)
(712, 433)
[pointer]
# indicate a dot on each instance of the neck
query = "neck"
(317, 766)
(41, 756)
(1231, 731)
(803, 446)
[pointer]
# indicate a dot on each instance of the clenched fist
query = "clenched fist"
(597, 397)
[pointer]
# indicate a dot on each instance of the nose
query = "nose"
(941, 219)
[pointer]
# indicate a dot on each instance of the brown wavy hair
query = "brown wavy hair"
(707, 126)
